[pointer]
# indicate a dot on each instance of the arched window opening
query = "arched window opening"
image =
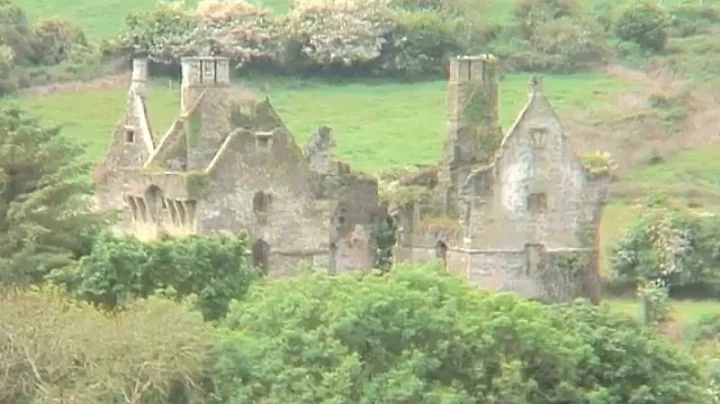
(155, 200)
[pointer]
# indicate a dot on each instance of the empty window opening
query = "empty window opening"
(537, 203)
(261, 254)
(338, 220)
(537, 137)
(469, 70)
(484, 71)
(261, 202)
(155, 201)
(441, 250)
(129, 135)
(263, 141)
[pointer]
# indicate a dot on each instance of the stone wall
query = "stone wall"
(538, 190)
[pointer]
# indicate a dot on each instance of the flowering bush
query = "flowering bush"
(352, 33)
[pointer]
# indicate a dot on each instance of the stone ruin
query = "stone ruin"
(515, 212)
(228, 165)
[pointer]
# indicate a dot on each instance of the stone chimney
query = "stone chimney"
(200, 73)
(536, 85)
(139, 76)
(472, 106)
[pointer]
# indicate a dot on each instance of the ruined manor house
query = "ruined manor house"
(515, 212)
(229, 164)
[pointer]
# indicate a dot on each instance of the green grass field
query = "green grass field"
(377, 124)
(686, 312)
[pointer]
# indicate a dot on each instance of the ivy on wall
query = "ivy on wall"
(563, 273)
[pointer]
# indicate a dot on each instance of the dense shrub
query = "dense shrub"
(242, 31)
(425, 41)
(566, 45)
(15, 32)
(117, 270)
(336, 34)
(57, 350)
(166, 32)
(57, 40)
(679, 247)
(420, 335)
(551, 35)
(645, 23)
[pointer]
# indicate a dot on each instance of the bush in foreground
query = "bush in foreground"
(417, 335)
(57, 350)
(214, 268)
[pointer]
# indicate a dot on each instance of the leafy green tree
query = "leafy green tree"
(46, 216)
(214, 268)
(644, 23)
(675, 246)
(15, 31)
(57, 40)
(421, 335)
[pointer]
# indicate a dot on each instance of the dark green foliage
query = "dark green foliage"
(45, 205)
(166, 32)
(15, 32)
(679, 247)
(644, 23)
(555, 36)
(385, 239)
(427, 40)
(48, 51)
(626, 362)
(213, 268)
(420, 335)
(57, 41)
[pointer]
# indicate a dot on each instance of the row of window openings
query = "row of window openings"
(181, 213)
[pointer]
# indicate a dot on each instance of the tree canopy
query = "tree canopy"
(46, 218)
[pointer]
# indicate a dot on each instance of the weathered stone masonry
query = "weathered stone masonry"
(229, 165)
(518, 214)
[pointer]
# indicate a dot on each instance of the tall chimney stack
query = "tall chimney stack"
(200, 73)
(139, 76)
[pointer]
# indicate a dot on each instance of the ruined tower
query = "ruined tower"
(472, 119)
(473, 133)
(205, 101)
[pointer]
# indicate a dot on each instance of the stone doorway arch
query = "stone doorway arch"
(261, 254)
(441, 250)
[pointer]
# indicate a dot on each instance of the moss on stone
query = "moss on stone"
(598, 165)
(440, 224)
(405, 196)
(195, 183)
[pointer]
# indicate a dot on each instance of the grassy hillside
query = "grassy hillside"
(377, 124)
